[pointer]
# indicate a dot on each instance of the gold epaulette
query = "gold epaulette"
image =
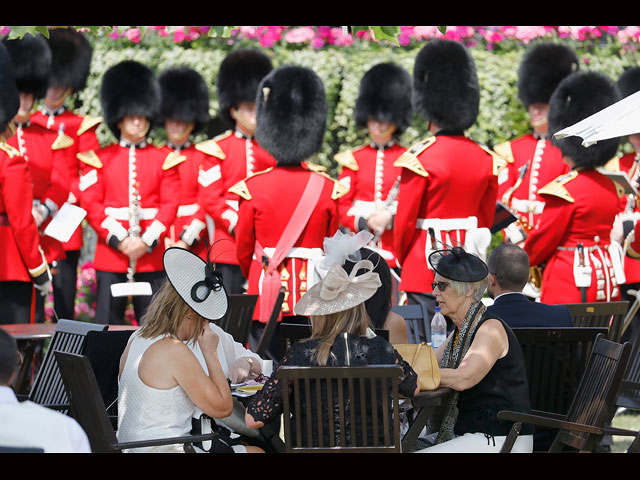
(613, 165)
(314, 167)
(241, 189)
(211, 147)
(499, 160)
(409, 159)
(88, 123)
(9, 150)
(172, 160)
(556, 187)
(346, 159)
(62, 141)
(90, 158)
(338, 188)
(504, 150)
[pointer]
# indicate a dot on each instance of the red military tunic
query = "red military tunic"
(20, 257)
(46, 153)
(189, 225)
(541, 162)
(230, 158)
(267, 201)
(369, 174)
(82, 130)
(449, 184)
(580, 208)
(107, 192)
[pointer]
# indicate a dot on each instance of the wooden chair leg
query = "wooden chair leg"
(511, 438)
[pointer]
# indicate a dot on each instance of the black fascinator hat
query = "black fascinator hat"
(458, 265)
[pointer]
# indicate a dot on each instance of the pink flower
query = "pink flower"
(340, 39)
(426, 32)
(317, 42)
(299, 35)
(629, 34)
(133, 35)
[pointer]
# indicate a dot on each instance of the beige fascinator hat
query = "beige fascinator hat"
(339, 291)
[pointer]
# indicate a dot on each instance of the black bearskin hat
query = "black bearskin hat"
(185, 96)
(445, 85)
(577, 97)
(129, 88)
(9, 97)
(385, 95)
(238, 78)
(71, 59)
(541, 70)
(31, 58)
(629, 81)
(291, 113)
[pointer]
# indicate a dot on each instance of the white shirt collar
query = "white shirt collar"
(7, 396)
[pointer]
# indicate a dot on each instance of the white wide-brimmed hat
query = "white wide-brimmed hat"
(339, 291)
(197, 282)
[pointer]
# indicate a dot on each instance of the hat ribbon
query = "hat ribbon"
(337, 281)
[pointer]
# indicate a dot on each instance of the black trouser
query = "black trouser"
(64, 285)
(109, 309)
(232, 278)
(15, 302)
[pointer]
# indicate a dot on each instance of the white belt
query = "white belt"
(188, 210)
(477, 240)
(447, 224)
(364, 209)
(297, 252)
(527, 206)
(314, 257)
(122, 213)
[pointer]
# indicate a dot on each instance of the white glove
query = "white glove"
(43, 288)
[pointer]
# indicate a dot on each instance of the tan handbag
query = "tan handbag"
(423, 360)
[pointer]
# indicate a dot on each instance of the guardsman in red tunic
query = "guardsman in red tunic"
(384, 108)
(572, 239)
(131, 194)
(286, 212)
(232, 156)
(185, 111)
(71, 61)
(45, 151)
(22, 262)
(533, 161)
(448, 186)
(628, 84)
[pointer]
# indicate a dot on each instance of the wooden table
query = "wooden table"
(424, 406)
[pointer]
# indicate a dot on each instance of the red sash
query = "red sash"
(271, 282)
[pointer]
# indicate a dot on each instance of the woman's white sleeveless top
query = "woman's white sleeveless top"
(146, 413)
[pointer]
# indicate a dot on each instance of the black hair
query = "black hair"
(8, 357)
(510, 264)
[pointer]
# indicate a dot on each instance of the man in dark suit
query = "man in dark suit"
(508, 274)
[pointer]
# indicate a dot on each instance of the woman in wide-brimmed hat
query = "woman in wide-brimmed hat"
(481, 362)
(341, 331)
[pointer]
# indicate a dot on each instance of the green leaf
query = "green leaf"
(386, 33)
(443, 30)
(43, 30)
(221, 31)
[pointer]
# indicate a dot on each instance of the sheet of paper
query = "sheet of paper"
(65, 222)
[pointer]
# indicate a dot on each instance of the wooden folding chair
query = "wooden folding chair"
(600, 314)
(238, 319)
(89, 410)
(592, 408)
(341, 409)
(417, 319)
(48, 389)
(267, 333)
(629, 393)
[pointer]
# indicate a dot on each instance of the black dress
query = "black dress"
(347, 349)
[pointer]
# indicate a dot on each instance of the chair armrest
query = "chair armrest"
(619, 431)
(166, 441)
(547, 422)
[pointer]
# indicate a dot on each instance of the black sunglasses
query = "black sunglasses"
(441, 285)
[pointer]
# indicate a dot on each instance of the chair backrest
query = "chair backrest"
(293, 332)
(555, 360)
(348, 409)
(629, 393)
(237, 321)
(267, 333)
(86, 402)
(104, 349)
(594, 401)
(600, 314)
(69, 336)
(417, 319)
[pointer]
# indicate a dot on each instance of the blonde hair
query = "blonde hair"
(165, 314)
(327, 327)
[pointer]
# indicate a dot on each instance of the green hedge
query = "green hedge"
(501, 117)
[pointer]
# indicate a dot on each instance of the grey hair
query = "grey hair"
(462, 288)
